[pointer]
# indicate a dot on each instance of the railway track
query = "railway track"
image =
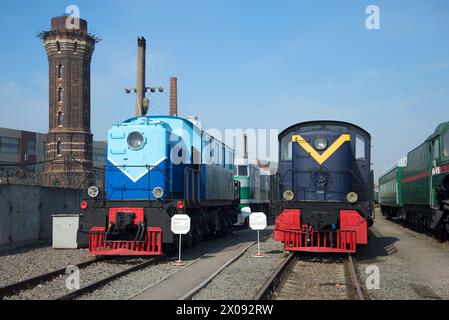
(311, 277)
(14, 288)
(46, 279)
(196, 289)
(99, 283)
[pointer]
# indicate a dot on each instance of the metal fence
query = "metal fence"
(33, 174)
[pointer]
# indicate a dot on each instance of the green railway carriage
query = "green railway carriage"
(390, 191)
(254, 189)
(422, 186)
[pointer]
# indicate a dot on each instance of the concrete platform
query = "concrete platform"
(429, 262)
(190, 277)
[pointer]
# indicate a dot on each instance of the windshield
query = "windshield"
(243, 171)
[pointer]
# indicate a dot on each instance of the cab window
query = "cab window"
(286, 148)
(436, 149)
(243, 171)
(359, 147)
(446, 144)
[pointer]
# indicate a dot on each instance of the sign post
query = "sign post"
(180, 224)
(258, 221)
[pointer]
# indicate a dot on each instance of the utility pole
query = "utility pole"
(142, 103)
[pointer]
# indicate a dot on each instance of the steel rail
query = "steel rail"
(354, 279)
(272, 284)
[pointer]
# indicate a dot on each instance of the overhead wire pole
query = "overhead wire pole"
(140, 86)
(142, 104)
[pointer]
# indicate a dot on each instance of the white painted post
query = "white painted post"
(180, 224)
(258, 221)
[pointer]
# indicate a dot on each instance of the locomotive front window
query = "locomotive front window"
(446, 144)
(243, 171)
(286, 148)
(360, 147)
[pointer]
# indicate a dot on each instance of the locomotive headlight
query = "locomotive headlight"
(352, 197)
(289, 195)
(158, 192)
(320, 144)
(135, 140)
(92, 192)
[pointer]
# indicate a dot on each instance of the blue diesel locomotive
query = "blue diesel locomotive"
(159, 166)
(325, 186)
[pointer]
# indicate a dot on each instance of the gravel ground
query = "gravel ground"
(439, 244)
(398, 279)
(53, 289)
(315, 277)
(25, 263)
(129, 285)
(242, 279)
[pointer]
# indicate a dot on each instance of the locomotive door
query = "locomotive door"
(435, 159)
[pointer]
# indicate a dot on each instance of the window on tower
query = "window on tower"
(60, 94)
(59, 118)
(76, 46)
(58, 148)
(58, 46)
(60, 71)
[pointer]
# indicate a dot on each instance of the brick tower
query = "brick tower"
(69, 48)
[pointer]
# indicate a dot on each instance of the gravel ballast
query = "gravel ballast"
(315, 277)
(129, 285)
(57, 287)
(242, 279)
(24, 264)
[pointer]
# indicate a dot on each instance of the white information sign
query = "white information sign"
(180, 224)
(258, 221)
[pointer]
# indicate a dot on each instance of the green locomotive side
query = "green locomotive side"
(422, 186)
(416, 179)
(428, 170)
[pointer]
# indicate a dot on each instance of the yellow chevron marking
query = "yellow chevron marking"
(321, 158)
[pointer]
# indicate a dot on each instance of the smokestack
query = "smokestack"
(245, 146)
(173, 96)
(141, 86)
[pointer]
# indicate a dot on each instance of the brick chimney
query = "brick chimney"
(173, 96)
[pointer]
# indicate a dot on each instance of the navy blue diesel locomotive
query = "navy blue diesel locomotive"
(326, 191)
(159, 166)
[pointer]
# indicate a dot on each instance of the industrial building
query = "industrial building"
(27, 150)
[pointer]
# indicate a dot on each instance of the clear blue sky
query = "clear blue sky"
(248, 64)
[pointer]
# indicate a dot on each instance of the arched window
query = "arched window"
(60, 71)
(58, 46)
(58, 148)
(76, 46)
(60, 94)
(59, 118)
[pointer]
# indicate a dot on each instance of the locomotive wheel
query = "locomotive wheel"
(168, 249)
(440, 233)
